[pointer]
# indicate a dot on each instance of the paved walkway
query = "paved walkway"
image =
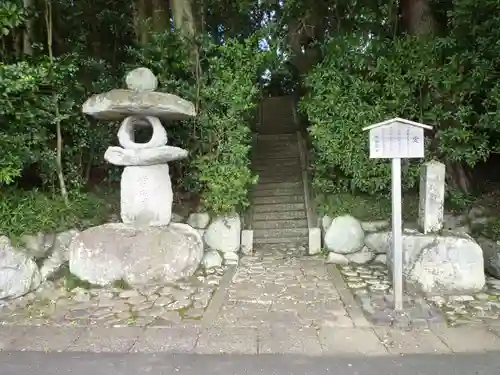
(275, 302)
(189, 364)
(326, 341)
(279, 286)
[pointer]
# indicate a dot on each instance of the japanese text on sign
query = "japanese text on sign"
(397, 140)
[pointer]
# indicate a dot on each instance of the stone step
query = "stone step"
(276, 152)
(279, 224)
(277, 137)
(290, 163)
(285, 122)
(287, 125)
(279, 170)
(275, 157)
(278, 199)
(264, 156)
(278, 208)
(278, 192)
(279, 177)
(277, 115)
(295, 240)
(277, 131)
(280, 233)
(273, 164)
(278, 185)
(280, 215)
(275, 146)
(265, 179)
(278, 108)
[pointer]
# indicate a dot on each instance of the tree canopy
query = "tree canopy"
(349, 62)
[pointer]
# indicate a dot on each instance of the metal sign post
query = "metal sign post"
(397, 139)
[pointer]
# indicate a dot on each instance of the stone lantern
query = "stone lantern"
(146, 247)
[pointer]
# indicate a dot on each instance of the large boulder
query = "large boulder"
(413, 243)
(18, 272)
(345, 235)
(491, 254)
(37, 245)
(450, 264)
(58, 254)
(224, 234)
(137, 255)
(436, 264)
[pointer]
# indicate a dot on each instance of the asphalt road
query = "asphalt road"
(27, 363)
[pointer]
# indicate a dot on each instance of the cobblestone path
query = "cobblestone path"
(281, 286)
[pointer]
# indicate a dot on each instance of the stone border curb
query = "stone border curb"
(247, 242)
(378, 341)
(314, 233)
(311, 217)
(352, 308)
(218, 298)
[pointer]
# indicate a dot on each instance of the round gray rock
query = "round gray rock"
(211, 259)
(18, 272)
(138, 255)
(334, 258)
(361, 257)
(199, 220)
(345, 235)
(491, 255)
(141, 79)
(224, 234)
(449, 265)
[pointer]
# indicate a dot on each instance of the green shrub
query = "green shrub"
(449, 82)
(29, 212)
(226, 93)
(347, 92)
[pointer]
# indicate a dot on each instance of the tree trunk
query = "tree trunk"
(140, 21)
(160, 15)
(184, 21)
(28, 34)
(59, 149)
(417, 17)
(302, 33)
(418, 20)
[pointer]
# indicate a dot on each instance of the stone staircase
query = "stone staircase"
(278, 201)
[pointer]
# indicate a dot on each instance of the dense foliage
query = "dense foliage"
(49, 68)
(352, 62)
(226, 94)
(447, 78)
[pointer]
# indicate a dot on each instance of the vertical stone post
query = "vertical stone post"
(431, 202)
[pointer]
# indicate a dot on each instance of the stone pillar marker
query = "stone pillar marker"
(431, 200)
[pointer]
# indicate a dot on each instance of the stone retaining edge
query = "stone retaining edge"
(218, 298)
(311, 216)
(358, 318)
